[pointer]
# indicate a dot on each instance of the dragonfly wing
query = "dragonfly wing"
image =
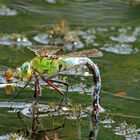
(47, 49)
(85, 53)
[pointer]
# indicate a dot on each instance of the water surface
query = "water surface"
(120, 73)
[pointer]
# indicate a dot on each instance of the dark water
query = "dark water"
(32, 16)
(119, 73)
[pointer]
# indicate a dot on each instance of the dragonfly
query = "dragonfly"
(48, 63)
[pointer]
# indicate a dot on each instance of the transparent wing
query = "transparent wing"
(85, 53)
(45, 49)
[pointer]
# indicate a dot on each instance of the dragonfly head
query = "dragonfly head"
(24, 71)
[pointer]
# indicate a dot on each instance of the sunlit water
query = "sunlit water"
(113, 18)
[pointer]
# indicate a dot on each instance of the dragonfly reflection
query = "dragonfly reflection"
(38, 133)
(94, 127)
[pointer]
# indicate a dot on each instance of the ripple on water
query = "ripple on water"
(79, 12)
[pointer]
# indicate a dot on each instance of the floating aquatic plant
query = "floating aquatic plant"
(6, 11)
(128, 130)
(116, 40)
(120, 49)
(60, 35)
(12, 136)
(14, 39)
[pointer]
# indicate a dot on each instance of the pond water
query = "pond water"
(110, 26)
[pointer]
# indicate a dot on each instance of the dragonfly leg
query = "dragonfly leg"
(56, 88)
(20, 91)
(65, 84)
(38, 91)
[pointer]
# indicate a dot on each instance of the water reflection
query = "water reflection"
(37, 133)
(34, 129)
(94, 128)
(47, 125)
(39, 127)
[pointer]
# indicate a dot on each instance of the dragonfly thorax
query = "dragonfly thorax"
(45, 66)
